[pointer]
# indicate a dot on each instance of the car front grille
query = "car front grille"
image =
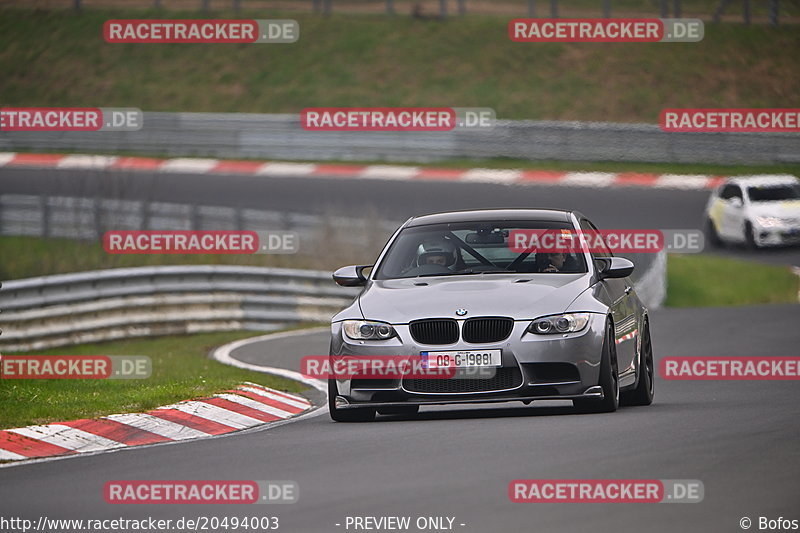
(434, 331)
(490, 329)
(504, 378)
(479, 330)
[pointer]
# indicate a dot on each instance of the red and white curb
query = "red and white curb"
(340, 170)
(247, 406)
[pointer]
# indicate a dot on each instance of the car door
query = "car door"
(623, 311)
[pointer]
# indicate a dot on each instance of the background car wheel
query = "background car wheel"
(346, 415)
(749, 237)
(643, 393)
(406, 410)
(609, 379)
(711, 234)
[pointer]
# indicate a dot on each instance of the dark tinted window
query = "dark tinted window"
(774, 194)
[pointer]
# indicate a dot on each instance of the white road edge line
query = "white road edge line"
(221, 354)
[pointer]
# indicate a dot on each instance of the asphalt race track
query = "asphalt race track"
(738, 438)
(608, 208)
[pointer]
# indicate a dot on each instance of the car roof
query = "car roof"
(477, 215)
(763, 180)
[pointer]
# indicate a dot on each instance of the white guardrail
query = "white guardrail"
(274, 136)
(50, 311)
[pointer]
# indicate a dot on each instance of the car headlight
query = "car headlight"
(566, 323)
(769, 222)
(361, 330)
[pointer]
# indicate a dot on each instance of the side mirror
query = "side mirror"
(614, 267)
(736, 201)
(351, 276)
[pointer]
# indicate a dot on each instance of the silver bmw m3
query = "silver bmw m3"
(509, 323)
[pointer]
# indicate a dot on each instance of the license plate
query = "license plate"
(461, 359)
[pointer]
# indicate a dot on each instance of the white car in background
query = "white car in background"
(757, 211)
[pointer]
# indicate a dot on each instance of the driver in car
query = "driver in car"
(550, 262)
(441, 253)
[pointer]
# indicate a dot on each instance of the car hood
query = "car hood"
(521, 297)
(783, 209)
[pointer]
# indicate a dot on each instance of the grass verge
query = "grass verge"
(374, 60)
(707, 280)
(181, 371)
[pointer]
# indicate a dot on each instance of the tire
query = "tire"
(749, 238)
(362, 414)
(609, 379)
(404, 410)
(644, 391)
(711, 234)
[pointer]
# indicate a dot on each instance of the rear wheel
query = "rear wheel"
(609, 379)
(643, 393)
(711, 234)
(360, 414)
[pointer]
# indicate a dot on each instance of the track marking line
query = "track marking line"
(188, 165)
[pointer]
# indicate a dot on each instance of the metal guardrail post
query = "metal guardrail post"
(717, 16)
(773, 12)
(554, 9)
(532, 8)
(45, 216)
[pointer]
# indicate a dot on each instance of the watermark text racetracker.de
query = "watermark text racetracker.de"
(706, 368)
(75, 367)
(596, 241)
(71, 119)
(200, 492)
(606, 491)
(201, 242)
(397, 118)
(739, 120)
(212, 31)
(612, 30)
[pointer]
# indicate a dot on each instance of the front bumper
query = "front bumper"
(592, 393)
(543, 367)
(777, 236)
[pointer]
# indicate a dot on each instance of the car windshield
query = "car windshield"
(774, 193)
(473, 248)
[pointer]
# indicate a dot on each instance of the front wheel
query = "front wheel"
(609, 379)
(361, 414)
(750, 237)
(644, 391)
